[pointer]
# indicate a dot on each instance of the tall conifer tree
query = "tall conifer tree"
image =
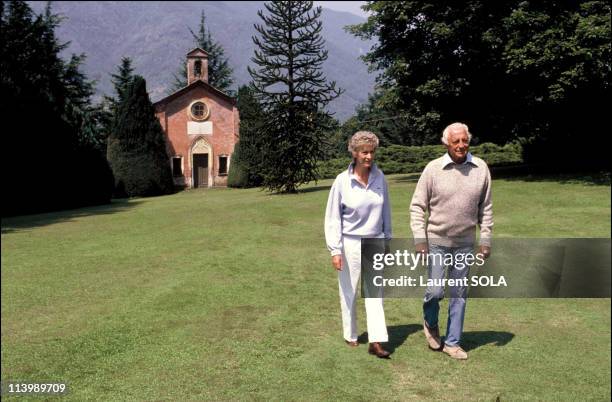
(46, 112)
(137, 146)
(247, 157)
(121, 81)
(293, 92)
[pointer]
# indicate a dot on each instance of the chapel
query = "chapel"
(201, 126)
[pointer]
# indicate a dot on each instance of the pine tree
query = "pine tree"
(293, 92)
(64, 167)
(137, 146)
(121, 81)
(107, 113)
(219, 71)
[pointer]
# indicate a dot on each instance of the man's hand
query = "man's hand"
(422, 248)
(337, 262)
(484, 251)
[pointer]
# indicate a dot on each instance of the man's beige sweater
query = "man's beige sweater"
(457, 198)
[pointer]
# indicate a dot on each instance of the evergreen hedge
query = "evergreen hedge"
(137, 147)
(246, 159)
(237, 175)
(413, 159)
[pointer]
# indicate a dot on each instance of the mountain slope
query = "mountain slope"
(156, 36)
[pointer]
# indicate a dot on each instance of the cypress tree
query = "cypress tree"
(238, 175)
(137, 146)
(247, 157)
(293, 92)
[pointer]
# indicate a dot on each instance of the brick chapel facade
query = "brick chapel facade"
(201, 125)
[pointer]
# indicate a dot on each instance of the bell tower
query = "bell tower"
(197, 65)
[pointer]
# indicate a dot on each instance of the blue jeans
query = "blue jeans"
(458, 294)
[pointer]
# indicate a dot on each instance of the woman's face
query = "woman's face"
(364, 156)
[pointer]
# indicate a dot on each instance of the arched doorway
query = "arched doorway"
(201, 164)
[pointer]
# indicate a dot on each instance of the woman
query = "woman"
(358, 206)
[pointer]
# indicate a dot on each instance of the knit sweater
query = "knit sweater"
(457, 198)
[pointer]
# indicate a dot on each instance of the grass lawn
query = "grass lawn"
(229, 294)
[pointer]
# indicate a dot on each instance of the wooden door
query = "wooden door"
(200, 170)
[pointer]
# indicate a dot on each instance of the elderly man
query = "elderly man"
(452, 197)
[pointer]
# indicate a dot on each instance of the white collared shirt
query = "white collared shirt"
(447, 160)
(357, 210)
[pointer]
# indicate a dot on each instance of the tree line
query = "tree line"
(532, 72)
(60, 150)
(52, 136)
(513, 70)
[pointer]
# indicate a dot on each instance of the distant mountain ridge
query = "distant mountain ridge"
(156, 36)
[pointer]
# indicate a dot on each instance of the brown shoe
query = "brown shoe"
(432, 334)
(353, 344)
(378, 351)
(455, 352)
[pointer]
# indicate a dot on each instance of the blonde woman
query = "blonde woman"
(358, 206)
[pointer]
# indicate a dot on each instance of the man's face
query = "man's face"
(458, 145)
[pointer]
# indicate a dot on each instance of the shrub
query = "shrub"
(238, 175)
(137, 147)
(413, 159)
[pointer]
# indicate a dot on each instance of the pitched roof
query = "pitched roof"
(194, 84)
(198, 51)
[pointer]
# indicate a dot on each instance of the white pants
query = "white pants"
(348, 280)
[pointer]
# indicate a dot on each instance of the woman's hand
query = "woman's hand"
(422, 248)
(337, 262)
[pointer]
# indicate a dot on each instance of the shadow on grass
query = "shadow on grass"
(397, 335)
(314, 189)
(306, 190)
(23, 222)
(474, 339)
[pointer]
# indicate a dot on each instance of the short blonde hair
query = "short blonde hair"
(455, 127)
(361, 138)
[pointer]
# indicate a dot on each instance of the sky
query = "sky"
(348, 6)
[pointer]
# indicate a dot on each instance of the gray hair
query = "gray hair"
(362, 138)
(455, 127)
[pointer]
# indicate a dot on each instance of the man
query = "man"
(455, 191)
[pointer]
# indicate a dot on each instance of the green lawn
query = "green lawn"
(229, 294)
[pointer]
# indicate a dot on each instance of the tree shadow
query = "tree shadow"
(25, 222)
(313, 189)
(397, 335)
(298, 191)
(474, 339)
